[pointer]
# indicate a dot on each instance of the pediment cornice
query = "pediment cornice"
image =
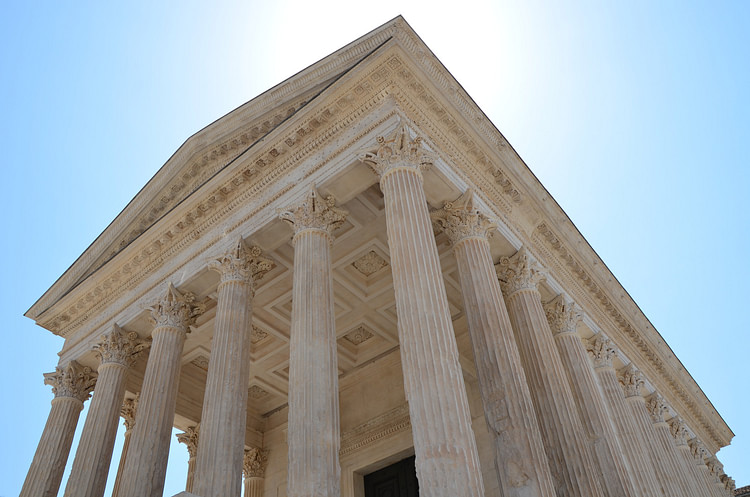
(404, 75)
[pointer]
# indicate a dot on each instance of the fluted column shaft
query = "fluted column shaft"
(447, 462)
(146, 465)
(88, 476)
(570, 461)
(603, 441)
(254, 486)
(313, 430)
(127, 411)
(71, 386)
(254, 470)
(678, 431)
(519, 452)
(190, 438)
(218, 469)
(631, 440)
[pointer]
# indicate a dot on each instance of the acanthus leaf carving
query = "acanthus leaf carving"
(176, 310)
(128, 411)
(120, 347)
(190, 438)
(657, 406)
(315, 213)
(461, 219)
(632, 380)
(242, 263)
(74, 380)
(601, 350)
(255, 462)
(563, 316)
(519, 272)
(679, 430)
(398, 151)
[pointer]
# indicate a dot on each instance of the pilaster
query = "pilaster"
(508, 410)
(71, 386)
(447, 462)
(146, 465)
(218, 468)
(569, 458)
(313, 430)
(563, 318)
(117, 351)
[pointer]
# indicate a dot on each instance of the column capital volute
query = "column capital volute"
(254, 463)
(241, 263)
(679, 431)
(657, 406)
(461, 219)
(519, 272)
(601, 350)
(120, 347)
(128, 410)
(73, 381)
(314, 213)
(398, 151)
(190, 438)
(176, 310)
(563, 316)
(632, 380)
(699, 451)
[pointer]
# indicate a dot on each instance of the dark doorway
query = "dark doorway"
(396, 480)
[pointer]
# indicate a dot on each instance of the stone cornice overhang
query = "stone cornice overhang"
(404, 69)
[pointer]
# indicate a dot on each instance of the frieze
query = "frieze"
(385, 425)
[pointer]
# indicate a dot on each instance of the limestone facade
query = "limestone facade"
(430, 299)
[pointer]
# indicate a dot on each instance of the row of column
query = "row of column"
(560, 425)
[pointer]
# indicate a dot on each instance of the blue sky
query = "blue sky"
(634, 115)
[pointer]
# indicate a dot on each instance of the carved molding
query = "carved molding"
(190, 438)
(462, 219)
(254, 463)
(370, 263)
(563, 317)
(73, 381)
(120, 347)
(519, 272)
(359, 334)
(385, 425)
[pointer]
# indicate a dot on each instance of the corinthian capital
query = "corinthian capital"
(190, 439)
(242, 263)
(176, 310)
(128, 410)
(631, 380)
(563, 316)
(519, 272)
(254, 463)
(120, 347)
(315, 213)
(679, 430)
(657, 406)
(462, 219)
(698, 450)
(398, 151)
(73, 381)
(602, 351)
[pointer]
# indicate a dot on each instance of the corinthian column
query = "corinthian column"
(679, 433)
(519, 453)
(313, 431)
(447, 463)
(117, 351)
(632, 380)
(700, 453)
(254, 469)
(71, 386)
(146, 465)
(218, 471)
(563, 318)
(127, 411)
(569, 459)
(631, 440)
(190, 438)
(666, 448)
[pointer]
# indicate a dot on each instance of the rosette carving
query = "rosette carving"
(521, 271)
(315, 213)
(254, 463)
(128, 410)
(190, 438)
(462, 219)
(73, 381)
(242, 263)
(176, 310)
(399, 150)
(657, 406)
(679, 430)
(120, 347)
(563, 317)
(602, 351)
(632, 380)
